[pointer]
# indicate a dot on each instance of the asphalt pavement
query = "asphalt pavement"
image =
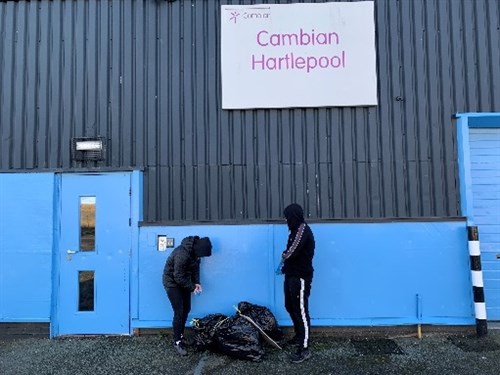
(442, 352)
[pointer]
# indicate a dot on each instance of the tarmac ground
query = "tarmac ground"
(343, 352)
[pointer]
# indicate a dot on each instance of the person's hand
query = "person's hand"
(198, 289)
(279, 270)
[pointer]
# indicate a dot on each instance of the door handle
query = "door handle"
(71, 251)
(498, 256)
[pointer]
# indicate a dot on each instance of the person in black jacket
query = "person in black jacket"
(181, 277)
(298, 270)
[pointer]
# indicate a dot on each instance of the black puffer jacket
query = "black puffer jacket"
(182, 268)
(299, 252)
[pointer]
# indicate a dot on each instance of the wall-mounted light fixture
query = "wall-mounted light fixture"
(88, 148)
(88, 145)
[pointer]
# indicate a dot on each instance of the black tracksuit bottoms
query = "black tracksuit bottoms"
(180, 299)
(297, 291)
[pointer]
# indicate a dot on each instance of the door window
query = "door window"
(86, 291)
(87, 223)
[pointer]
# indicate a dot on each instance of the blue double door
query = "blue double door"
(94, 255)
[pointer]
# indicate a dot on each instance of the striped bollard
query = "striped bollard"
(477, 281)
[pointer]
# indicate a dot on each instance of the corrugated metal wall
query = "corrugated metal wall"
(146, 75)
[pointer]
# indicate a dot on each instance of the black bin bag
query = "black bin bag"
(204, 331)
(238, 338)
(263, 317)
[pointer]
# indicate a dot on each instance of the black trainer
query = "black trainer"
(301, 355)
(180, 348)
(188, 342)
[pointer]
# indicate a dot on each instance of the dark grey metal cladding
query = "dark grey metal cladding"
(146, 76)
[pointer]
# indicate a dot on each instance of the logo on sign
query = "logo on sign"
(249, 14)
(234, 16)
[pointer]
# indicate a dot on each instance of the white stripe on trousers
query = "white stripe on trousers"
(303, 313)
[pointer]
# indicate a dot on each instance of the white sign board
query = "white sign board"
(298, 55)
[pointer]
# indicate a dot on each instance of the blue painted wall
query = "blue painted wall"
(366, 273)
(237, 270)
(26, 238)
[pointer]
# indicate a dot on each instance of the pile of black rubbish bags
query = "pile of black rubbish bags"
(234, 335)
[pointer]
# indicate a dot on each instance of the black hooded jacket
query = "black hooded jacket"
(182, 268)
(299, 252)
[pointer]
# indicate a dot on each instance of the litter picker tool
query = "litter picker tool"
(261, 331)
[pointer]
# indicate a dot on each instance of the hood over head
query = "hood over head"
(202, 247)
(294, 215)
(188, 242)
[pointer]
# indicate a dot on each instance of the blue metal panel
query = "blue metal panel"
(26, 219)
(372, 273)
(478, 163)
(485, 185)
(237, 270)
(484, 120)
(366, 274)
(463, 158)
(136, 217)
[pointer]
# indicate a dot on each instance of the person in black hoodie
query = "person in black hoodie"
(298, 270)
(181, 277)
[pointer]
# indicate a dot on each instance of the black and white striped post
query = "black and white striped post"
(477, 281)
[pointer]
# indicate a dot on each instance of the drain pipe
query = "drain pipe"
(477, 281)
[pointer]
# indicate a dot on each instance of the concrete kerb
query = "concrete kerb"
(42, 330)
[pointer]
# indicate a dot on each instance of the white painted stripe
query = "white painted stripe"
(474, 248)
(480, 309)
(477, 278)
(303, 313)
